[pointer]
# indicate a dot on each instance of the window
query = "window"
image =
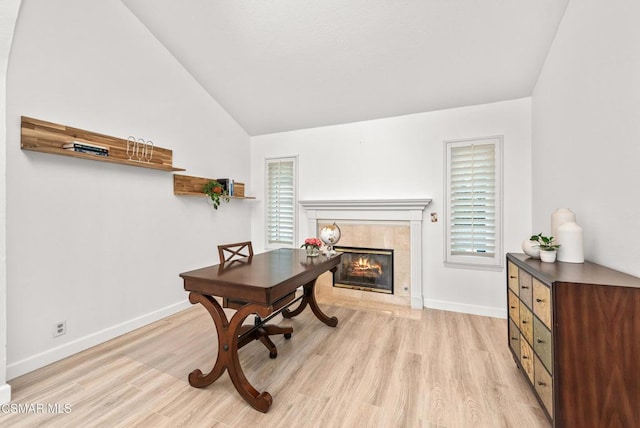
(474, 207)
(281, 202)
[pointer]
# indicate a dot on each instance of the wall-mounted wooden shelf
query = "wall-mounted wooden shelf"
(47, 137)
(189, 185)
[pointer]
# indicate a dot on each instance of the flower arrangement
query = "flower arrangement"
(312, 243)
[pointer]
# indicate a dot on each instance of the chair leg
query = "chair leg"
(265, 331)
(272, 330)
(264, 338)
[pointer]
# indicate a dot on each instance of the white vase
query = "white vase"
(313, 251)
(548, 256)
(558, 218)
(571, 250)
(530, 248)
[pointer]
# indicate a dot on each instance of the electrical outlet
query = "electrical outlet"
(59, 328)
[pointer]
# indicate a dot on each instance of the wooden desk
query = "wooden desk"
(266, 284)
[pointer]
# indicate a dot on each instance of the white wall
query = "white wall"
(8, 16)
(586, 130)
(402, 157)
(95, 244)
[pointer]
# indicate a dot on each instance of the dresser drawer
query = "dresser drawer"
(526, 322)
(512, 272)
(542, 302)
(526, 288)
(543, 385)
(526, 358)
(514, 308)
(542, 343)
(514, 338)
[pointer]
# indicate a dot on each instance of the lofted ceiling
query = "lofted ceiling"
(281, 65)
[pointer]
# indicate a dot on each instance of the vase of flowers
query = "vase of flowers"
(312, 246)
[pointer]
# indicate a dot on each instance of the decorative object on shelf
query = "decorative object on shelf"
(530, 247)
(312, 245)
(548, 256)
(139, 150)
(558, 218)
(572, 251)
(88, 148)
(548, 247)
(330, 235)
(227, 185)
(215, 192)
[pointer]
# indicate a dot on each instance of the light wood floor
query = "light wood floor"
(383, 366)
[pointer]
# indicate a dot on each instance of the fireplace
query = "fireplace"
(369, 269)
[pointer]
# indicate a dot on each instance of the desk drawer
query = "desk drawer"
(542, 302)
(526, 322)
(542, 343)
(512, 272)
(544, 385)
(526, 288)
(514, 338)
(514, 308)
(526, 358)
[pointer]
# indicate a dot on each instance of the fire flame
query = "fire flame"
(365, 266)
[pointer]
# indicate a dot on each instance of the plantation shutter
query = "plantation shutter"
(473, 199)
(281, 202)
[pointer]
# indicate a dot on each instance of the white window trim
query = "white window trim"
(474, 262)
(268, 245)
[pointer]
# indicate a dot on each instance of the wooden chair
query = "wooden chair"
(237, 253)
(230, 252)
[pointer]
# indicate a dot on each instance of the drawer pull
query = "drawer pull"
(512, 307)
(539, 300)
(512, 277)
(514, 338)
(524, 286)
(539, 341)
(542, 383)
(524, 321)
(524, 357)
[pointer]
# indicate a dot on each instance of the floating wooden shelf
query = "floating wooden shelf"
(189, 185)
(47, 137)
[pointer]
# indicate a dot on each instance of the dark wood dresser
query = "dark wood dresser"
(574, 330)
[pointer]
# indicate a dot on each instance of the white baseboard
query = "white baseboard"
(486, 311)
(55, 354)
(5, 393)
(416, 302)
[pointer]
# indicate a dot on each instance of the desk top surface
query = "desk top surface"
(262, 279)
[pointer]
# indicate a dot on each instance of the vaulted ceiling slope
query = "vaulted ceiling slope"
(279, 65)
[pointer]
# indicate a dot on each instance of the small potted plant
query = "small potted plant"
(215, 192)
(312, 245)
(547, 247)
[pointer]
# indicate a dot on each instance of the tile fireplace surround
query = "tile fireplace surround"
(395, 211)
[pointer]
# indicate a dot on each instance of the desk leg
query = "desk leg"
(227, 359)
(309, 297)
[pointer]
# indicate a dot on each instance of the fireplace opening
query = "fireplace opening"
(369, 269)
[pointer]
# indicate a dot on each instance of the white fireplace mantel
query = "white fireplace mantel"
(409, 210)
